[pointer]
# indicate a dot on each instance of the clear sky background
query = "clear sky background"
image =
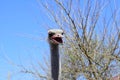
(22, 36)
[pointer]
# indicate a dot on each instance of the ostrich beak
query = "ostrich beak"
(57, 39)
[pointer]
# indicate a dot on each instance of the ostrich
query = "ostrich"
(55, 38)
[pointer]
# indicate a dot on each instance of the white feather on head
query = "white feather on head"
(55, 31)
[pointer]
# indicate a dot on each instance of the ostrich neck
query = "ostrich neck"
(54, 61)
(54, 48)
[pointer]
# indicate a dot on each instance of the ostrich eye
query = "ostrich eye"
(51, 34)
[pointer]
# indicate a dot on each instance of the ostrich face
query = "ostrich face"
(55, 36)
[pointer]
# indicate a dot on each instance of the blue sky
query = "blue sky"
(21, 26)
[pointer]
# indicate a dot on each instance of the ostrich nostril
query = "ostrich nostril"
(58, 35)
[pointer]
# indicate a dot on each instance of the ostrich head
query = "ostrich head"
(55, 36)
